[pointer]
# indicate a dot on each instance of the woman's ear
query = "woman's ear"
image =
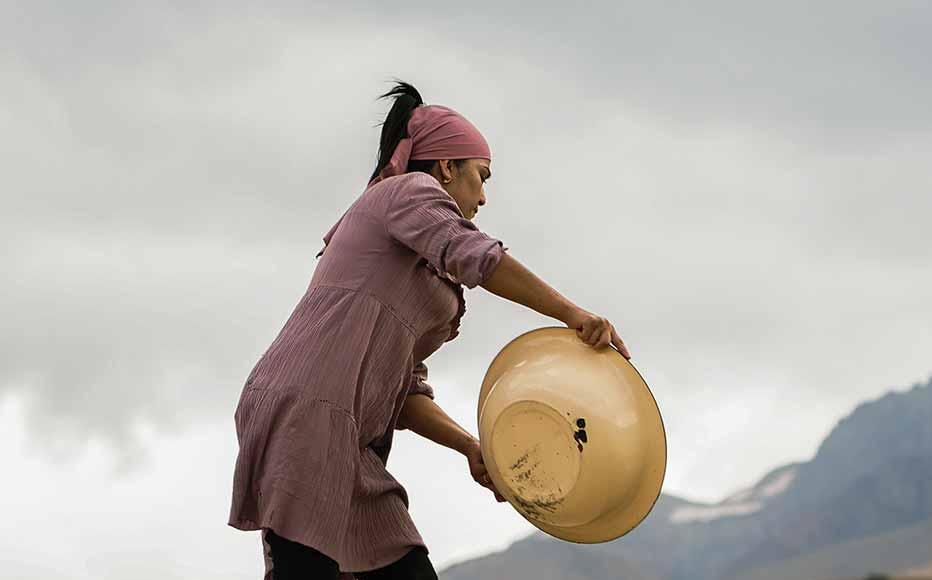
(447, 170)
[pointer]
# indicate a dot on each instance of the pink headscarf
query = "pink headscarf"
(435, 132)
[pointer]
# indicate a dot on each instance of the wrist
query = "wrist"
(567, 312)
(467, 443)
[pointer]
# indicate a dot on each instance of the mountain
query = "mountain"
(905, 550)
(862, 504)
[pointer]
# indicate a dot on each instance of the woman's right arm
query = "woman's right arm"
(422, 216)
(512, 281)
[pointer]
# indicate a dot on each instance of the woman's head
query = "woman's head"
(464, 179)
(437, 141)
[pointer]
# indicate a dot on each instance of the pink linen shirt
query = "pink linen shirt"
(318, 411)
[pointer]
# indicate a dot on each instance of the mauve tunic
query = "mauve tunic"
(317, 414)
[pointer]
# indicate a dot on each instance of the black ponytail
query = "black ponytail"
(395, 126)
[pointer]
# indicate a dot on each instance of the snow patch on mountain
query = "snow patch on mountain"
(741, 503)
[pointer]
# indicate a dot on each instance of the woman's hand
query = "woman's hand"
(477, 468)
(595, 331)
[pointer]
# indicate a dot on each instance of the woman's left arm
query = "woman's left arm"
(425, 417)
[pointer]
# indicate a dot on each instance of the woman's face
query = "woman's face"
(464, 182)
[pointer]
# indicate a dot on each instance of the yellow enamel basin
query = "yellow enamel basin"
(571, 436)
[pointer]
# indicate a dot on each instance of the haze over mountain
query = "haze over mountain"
(862, 504)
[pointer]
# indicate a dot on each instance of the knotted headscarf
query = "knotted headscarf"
(435, 132)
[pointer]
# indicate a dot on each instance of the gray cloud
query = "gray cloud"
(834, 70)
(740, 189)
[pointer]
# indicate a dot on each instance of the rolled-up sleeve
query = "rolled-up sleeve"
(417, 385)
(422, 216)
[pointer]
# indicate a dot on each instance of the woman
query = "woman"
(317, 414)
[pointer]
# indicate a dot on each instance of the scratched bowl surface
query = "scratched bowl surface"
(571, 436)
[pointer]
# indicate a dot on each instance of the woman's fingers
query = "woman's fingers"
(479, 472)
(593, 331)
(486, 482)
(620, 345)
(598, 333)
(585, 327)
(605, 338)
(590, 331)
(498, 497)
(483, 478)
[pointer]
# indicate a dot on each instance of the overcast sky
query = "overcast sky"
(742, 189)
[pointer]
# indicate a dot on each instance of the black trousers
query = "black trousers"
(294, 561)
